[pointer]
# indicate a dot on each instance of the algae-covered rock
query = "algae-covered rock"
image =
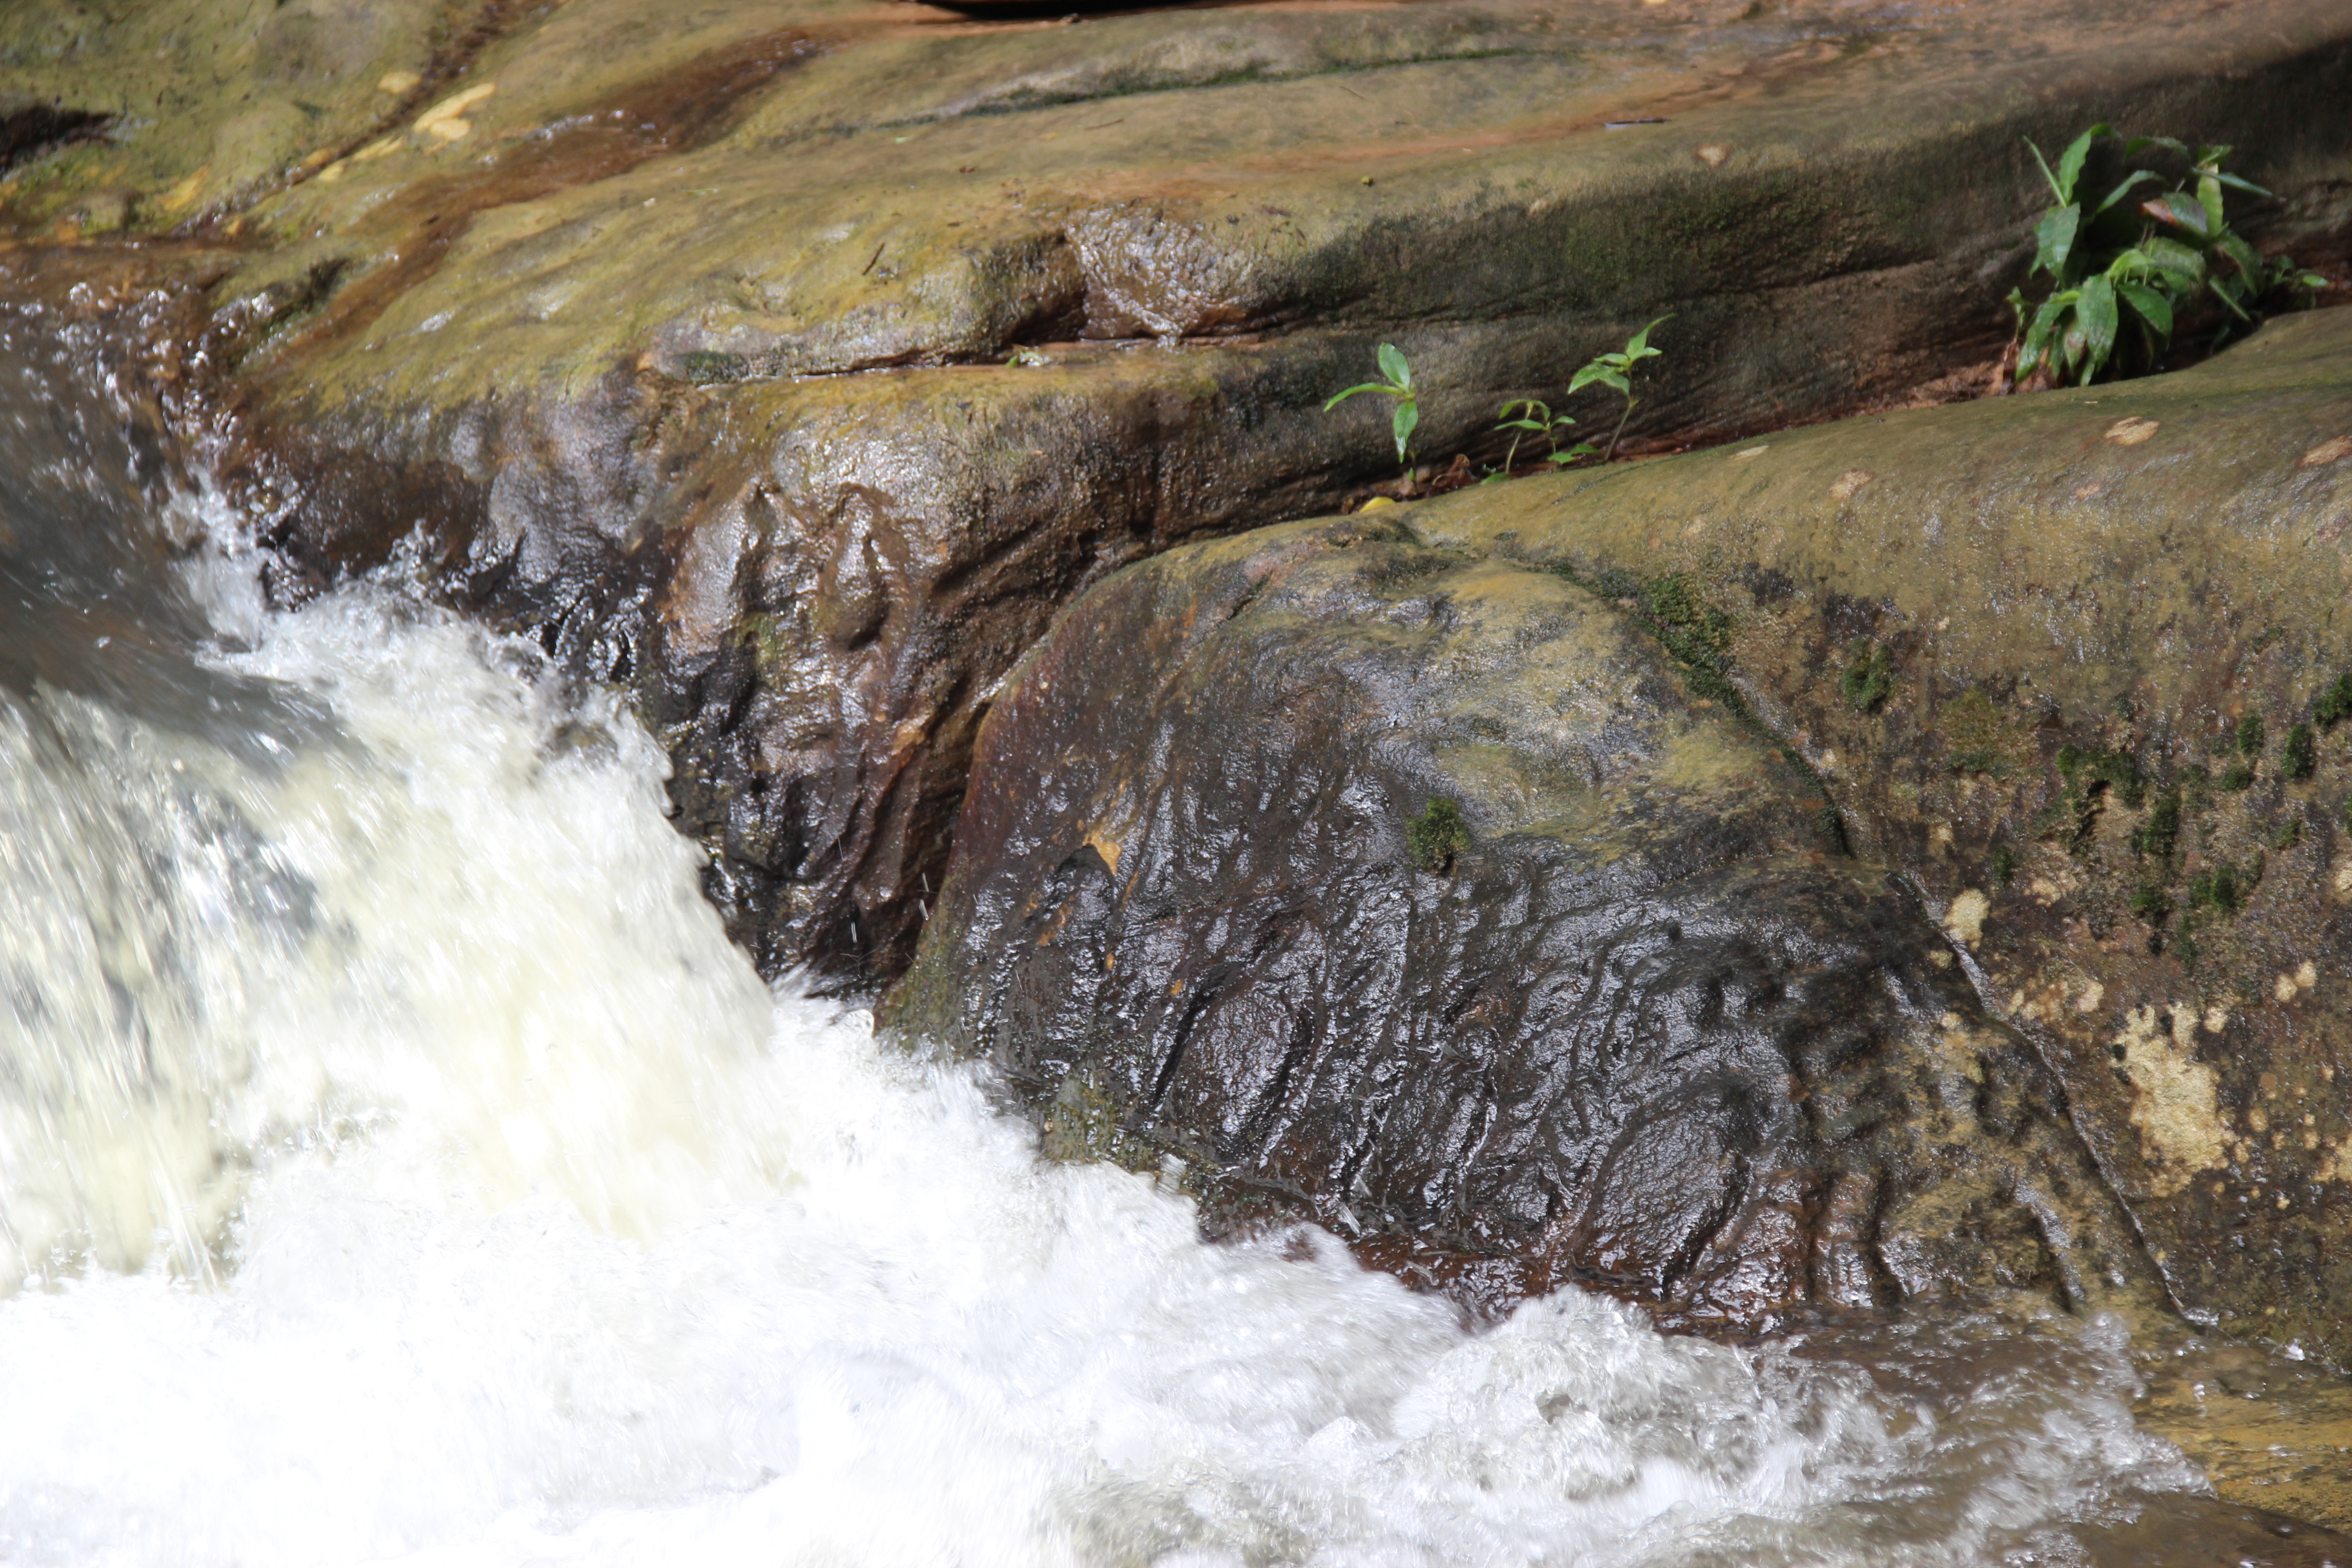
(1425, 897)
(2106, 626)
(553, 291)
(150, 113)
(613, 297)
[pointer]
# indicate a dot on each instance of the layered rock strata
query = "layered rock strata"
(679, 339)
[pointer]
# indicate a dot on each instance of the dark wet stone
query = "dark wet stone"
(1646, 1030)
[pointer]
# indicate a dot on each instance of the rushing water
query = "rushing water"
(397, 1164)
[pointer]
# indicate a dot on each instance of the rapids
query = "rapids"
(398, 1164)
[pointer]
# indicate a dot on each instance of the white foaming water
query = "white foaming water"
(406, 1169)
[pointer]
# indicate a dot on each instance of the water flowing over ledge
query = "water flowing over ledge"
(492, 1211)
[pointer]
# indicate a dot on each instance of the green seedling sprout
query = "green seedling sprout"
(2122, 268)
(1616, 371)
(1537, 419)
(1397, 387)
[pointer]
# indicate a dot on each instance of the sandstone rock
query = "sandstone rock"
(634, 322)
(2099, 617)
(1645, 1027)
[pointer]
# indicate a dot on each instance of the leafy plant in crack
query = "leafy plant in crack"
(2335, 704)
(1868, 680)
(2226, 887)
(2160, 835)
(2128, 271)
(2248, 740)
(2299, 756)
(1397, 387)
(1537, 419)
(1436, 836)
(1615, 370)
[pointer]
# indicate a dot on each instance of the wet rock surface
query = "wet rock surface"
(1634, 1023)
(1886, 863)
(2103, 618)
(538, 295)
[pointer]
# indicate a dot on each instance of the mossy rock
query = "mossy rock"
(1647, 1031)
(2117, 616)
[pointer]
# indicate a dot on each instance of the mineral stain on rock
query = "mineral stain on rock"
(2174, 1103)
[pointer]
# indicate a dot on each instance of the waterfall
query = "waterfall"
(398, 1164)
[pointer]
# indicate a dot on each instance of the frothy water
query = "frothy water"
(398, 1164)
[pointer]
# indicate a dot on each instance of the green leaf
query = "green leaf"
(2235, 184)
(1403, 423)
(2139, 144)
(2070, 162)
(2096, 310)
(2050, 179)
(2176, 259)
(1638, 346)
(2054, 239)
(2125, 187)
(2153, 308)
(2249, 264)
(1336, 398)
(2209, 197)
(1393, 365)
(2036, 350)
(1594, 372)
(2179, 209)
(1581, 449)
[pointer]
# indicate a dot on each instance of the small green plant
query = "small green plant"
(2215, 888)
(1694, 632)
(1868, 680)
(2251, 735)
(2160, 833)
(2125, 275)
(1537, 419)
(1615, 370)
(2335, 704)
(1437, 835)
(2085, 771)
(2004, 865)
(1397, 387)
(2225, 887)
(2149, 903)
(2196, 787)
(2246, 743)
(2299, 756)
(2288, 834)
